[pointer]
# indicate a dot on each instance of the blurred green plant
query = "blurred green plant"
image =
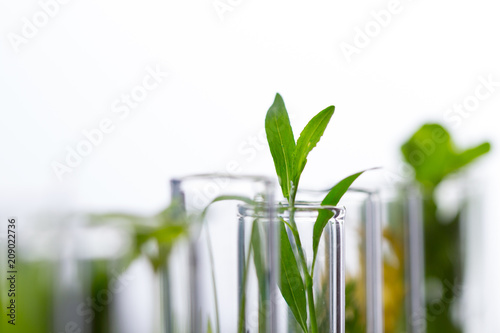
(154, 237)
(434, 156)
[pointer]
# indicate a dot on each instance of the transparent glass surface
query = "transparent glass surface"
(363, 259)
(311, 297)
(402, 255)
(230, 256)
(438, 229)
(91, 261)
(445, 242)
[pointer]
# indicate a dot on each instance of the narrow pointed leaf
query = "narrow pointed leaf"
(260, 270)
(332, 199)
(281, 143)
(309, 138)
(291, 284)
(226, 198)
(232, 197)
(471, 154)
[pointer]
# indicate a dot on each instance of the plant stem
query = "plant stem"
(307, 276)
(310, 302)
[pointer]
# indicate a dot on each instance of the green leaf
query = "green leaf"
(308, 139)
(258, 256)
(259, 262)
(337, 192)
(169, 234)
(228, 198)
(332, 199)
(165, 237)
(165, 229)
(291, 284)
(281, 143)
(233, 197)
(471, 154)
(433, 154)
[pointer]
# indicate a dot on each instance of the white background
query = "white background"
(224, 69)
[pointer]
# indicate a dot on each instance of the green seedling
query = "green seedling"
(290, 159)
